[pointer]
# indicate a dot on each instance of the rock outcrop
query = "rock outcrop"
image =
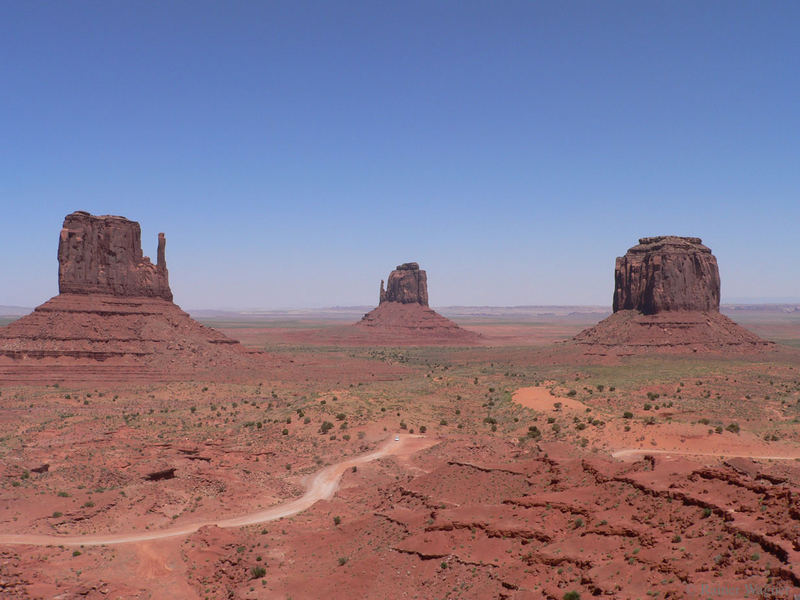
(407, 284)
(404, 317)
(666, 298)
(667, 273)
(114, 317)
(103, 255)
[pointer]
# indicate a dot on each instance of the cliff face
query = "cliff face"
(114, 318)
(103, 255)
(407, 284)
(667, 273)
(666, 300)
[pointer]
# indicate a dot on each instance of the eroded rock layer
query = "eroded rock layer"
(114, 318)
(407, 284)
(103, 255)
(632, 332)
(403, 315)
(666, 299)
(667, 273)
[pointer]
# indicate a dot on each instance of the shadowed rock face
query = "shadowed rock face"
(408, 284)
(103, 255)
(667, 273)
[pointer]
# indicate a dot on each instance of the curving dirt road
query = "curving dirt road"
(322, 486)
(625, 452)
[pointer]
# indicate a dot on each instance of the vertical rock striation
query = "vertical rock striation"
(407, 284)
(114, 317)
(666, 299)
(404, 317)
(667, 273)
(103, 255)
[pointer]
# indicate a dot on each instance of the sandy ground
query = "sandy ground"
(322, 486)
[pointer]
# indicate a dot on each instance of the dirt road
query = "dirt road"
(322, 486)
(627, 452)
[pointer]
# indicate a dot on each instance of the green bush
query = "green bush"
(258, 572)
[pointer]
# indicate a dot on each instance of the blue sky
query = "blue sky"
(294, 152)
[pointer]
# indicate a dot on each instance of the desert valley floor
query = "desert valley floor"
(514, 467)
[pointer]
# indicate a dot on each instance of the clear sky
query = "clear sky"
(295, 152)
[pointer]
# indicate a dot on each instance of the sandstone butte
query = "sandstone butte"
(113, 317)
(666, 298)
(403, 314)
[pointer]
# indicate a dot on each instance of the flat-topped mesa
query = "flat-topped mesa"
(103, 255)
(407, 284)
(667, 273)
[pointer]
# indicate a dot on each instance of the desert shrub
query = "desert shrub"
(572, 596)
(337, 520)
(342, 561)
(533, 432)
(341, 416)
(285, 432)
(733, 428)
(325, 427)
(706, 512)
(571, 393)
(647, 406)
(258, 572)
(627, 414)
(422, 429)
(443, 422)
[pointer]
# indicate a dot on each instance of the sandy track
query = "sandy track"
(626, 452)
(322, 486)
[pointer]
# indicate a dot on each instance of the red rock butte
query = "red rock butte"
(404, 317)
(114, 317)
(666, 298)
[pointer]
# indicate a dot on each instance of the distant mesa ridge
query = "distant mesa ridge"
(666, 298)
(407, 284)
(403, 315)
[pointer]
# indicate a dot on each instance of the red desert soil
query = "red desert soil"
(519, 498)
(321, 486)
